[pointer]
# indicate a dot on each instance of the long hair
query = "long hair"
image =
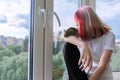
(89, 24)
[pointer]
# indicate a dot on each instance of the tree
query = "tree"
(17, 49)
(25, 44)
(58, 66)
(6, 52)
(1, 48)
(14, 67)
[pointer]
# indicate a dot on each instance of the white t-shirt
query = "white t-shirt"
(107, 41)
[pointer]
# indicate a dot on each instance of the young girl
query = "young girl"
(99, 39)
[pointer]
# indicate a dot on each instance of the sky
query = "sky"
(14, 18)
(109, 12)
(15, 15)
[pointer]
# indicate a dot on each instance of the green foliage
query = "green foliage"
(6, 52)
(65, 75)
(58, 66)
(16, 49)
(58, 62)
(25, 44)
(58, 47)
(14, 67)
(116, 61)
(1, 48)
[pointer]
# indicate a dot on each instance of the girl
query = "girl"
(99, 39)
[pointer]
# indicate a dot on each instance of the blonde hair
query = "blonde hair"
(89, 24)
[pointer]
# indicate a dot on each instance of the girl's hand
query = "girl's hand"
(85, 60)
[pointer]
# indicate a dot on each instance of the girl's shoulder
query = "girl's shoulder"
(109, 34)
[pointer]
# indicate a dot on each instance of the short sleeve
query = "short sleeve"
(109, 42)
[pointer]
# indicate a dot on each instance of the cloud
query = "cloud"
(11, 8)
(109, 12)
(3, 19)
(21, 20)
(18, 32)
(16, 14)
(107, 9)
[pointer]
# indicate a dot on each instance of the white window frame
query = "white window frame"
(42, 40)
(38, 67)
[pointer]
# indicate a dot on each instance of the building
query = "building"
(7, 41)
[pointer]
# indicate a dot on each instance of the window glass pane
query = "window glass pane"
(14, 32)
(109, 12)
(65, 10)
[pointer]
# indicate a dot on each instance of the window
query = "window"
(14, 37)
(110, 14)
(65, 10)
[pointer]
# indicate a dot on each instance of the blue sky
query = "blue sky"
(15, 15)
(14, 18)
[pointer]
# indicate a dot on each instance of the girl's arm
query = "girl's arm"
(85, 57)
(105, 58)
(109, 47)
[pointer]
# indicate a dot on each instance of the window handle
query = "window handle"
(57, 17)
(42, 12)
